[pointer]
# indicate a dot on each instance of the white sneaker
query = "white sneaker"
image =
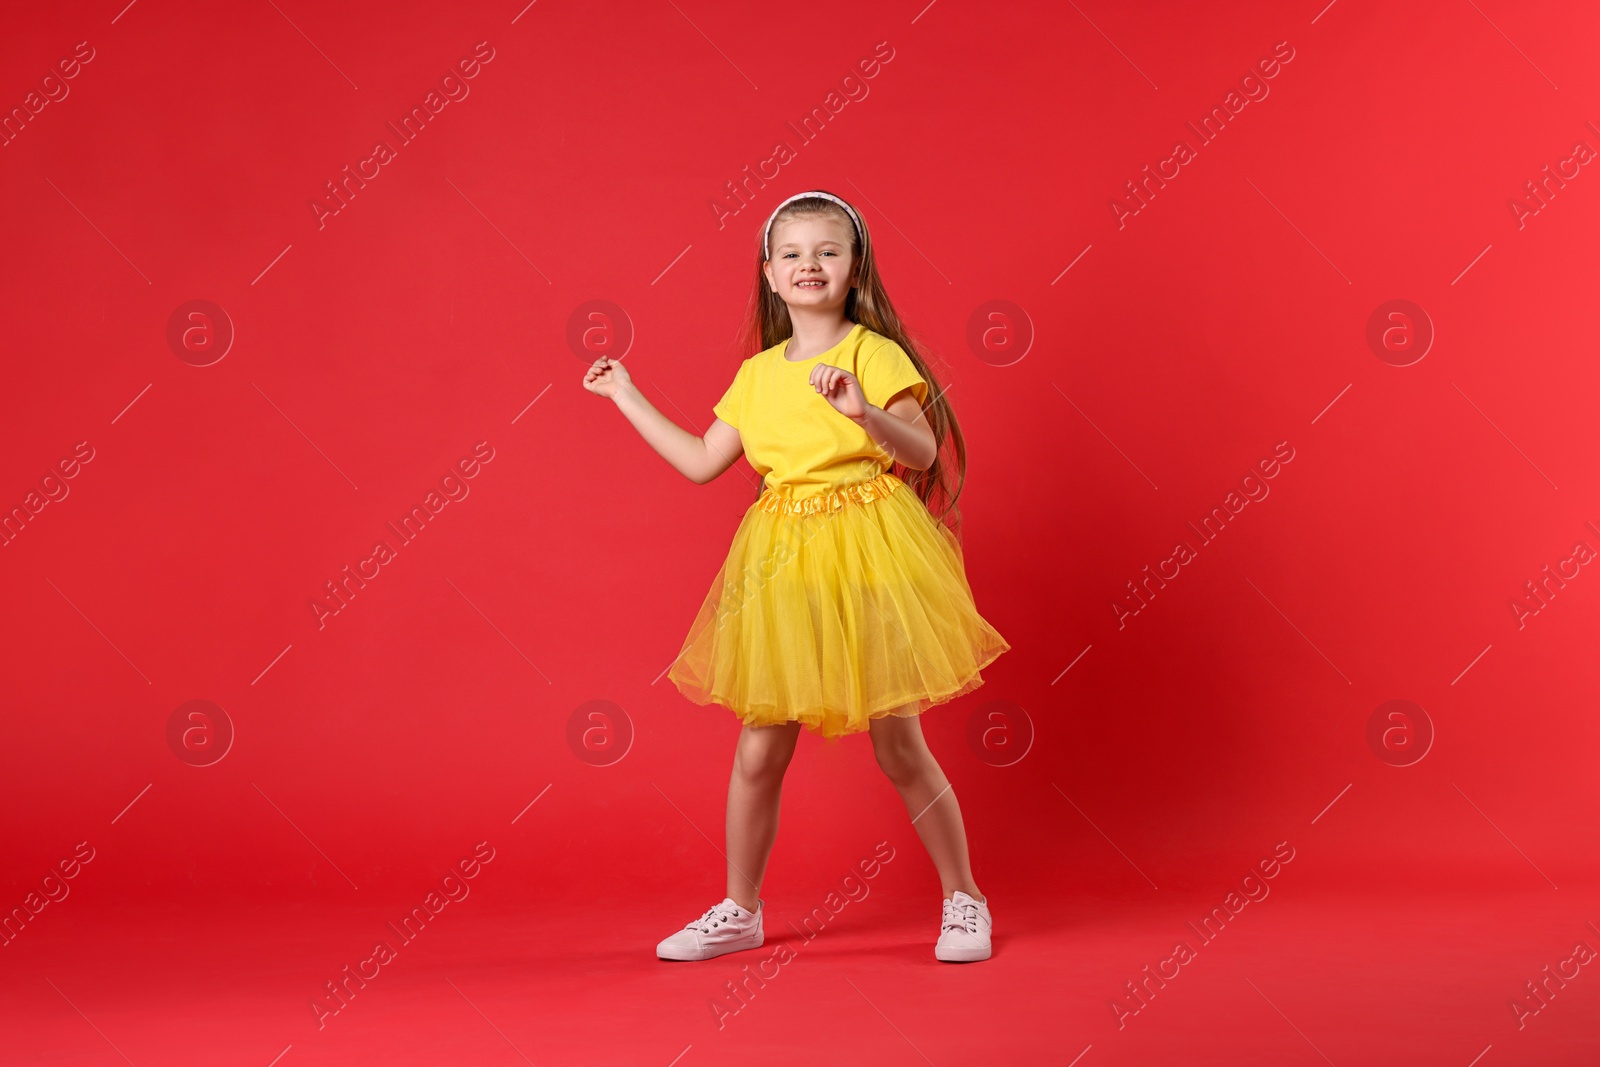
(725, 927)
(964, 936)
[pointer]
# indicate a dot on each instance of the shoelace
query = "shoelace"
(714, 916)
(960, 917)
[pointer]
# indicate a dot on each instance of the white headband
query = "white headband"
(766, 237)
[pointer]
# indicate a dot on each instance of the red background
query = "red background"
(432, 312)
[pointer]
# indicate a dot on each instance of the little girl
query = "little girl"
(843, 605)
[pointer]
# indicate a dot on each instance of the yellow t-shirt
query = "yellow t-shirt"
(792, 436)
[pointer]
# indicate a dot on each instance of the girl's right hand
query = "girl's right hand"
(606, 377)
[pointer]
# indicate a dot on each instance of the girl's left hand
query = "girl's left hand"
(841, 389)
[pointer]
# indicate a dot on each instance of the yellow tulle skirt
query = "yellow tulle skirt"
(837, 609)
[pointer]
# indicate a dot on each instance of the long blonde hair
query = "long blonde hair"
(767, 324)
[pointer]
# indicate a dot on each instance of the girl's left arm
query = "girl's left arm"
(901, 429)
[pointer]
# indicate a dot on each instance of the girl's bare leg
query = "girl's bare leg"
(754, 790)
(903, 754)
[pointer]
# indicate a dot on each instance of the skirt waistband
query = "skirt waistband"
(827, 502)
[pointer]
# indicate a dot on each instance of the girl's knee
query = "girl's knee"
(764, 752)
(899, 746)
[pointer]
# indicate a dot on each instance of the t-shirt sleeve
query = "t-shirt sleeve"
(886, 370)
(730, 409)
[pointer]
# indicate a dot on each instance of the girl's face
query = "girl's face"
(811, 265)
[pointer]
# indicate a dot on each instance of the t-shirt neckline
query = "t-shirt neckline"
(785, 346)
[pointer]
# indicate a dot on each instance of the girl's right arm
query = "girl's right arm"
(700, 459)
